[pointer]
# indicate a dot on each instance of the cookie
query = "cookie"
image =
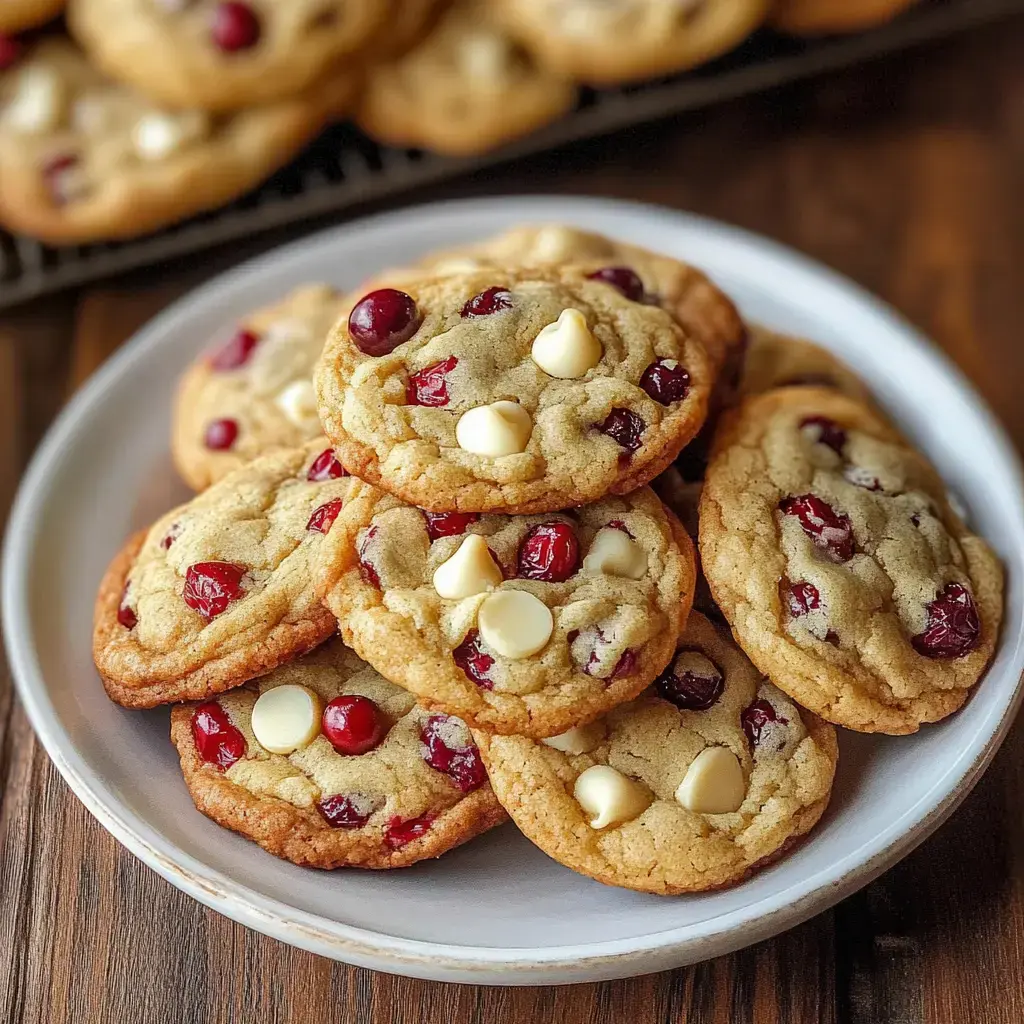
(253, 390)
(630, 40)
(467, 88)
(18, 15)
(517, 624)
(223, 55)
(822, 17)
(324, 763)
(522, 390)
(220, 590)
(704, 778)
(83, 158)
(831, 549)
(408, 21)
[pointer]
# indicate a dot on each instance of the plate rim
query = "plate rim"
(784, 908)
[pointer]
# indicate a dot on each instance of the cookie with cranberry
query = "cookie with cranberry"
(253, 390)
(707, 776)
(517, 624)
(18, 15)
(466, 88)
(825, 17)
(326, 764)
(516, 390)
(224, 55)
(84, 158)
(629, 40)
(831, 549)
(220, 590)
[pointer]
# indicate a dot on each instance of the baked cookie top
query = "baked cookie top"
(83, 157)
(831, 548)
(253, 391)
(524, 624)
(18, 15)
(692, 786)
(466, 88)
(222, 54)
(220, 590)
(519, 390)
(627, 40)
(325, 763)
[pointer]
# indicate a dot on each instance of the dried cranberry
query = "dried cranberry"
(623, 667)
(757, 717)
(400, 832)
(825, 431)
(828, 529)
(236, 351)
(474, 662)
(802, 598)
(326, 467)
(170, 536)
(665, 381)
(366, 567)
(449, 524)
(211, 586)
(10, 51)
(219, 743)
(220, 435)
(494, 300)
(353, 724)
(953, 627)
(622, 279)
(234, 27)
(381, 321)
(691, 691)
(461, 764)
(323, 517)
(625, 428)
(125, 615)
(342, 811)
(430, 385)
(549, 552)
(862, 478)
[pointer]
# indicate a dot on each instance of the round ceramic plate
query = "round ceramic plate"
(498, 910)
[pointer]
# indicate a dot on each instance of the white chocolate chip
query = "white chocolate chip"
(515, 623)
(471, 570)
(609, 796)
(713, 784)
(298, 402)
(38, 102)
(501, 428)
(579, 740)
(286, 718)
(615, 553)
(157, 136)
(567, 348)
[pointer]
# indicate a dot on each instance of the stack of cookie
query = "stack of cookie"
(426, 584)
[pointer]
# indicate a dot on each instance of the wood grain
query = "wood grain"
(907, 176)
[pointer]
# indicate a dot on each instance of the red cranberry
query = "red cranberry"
(862, 478)
(757, 717)
(461, 764)
(828, 529)
(494, 300)
(430, 385)
(690, 691)
(474, 662)
(235, 27)
(953, 627)
(665, 381)
(367, 568)
(618, 524)
(802, 598)
(211, 586)
(55, 175)
(382, 320)
(342, 811)
(236, 351)
(10, 51)
(622, 279)
(323, 517)
(326, 467)
(219, 743)
(449, 524)
(825, 431)
(125, 615)
(400, 832)
(220, 434)
(625, 428)
(170, 536)
(353, 724)
(623, 667)
(549, 552)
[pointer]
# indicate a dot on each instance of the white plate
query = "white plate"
(496, 911)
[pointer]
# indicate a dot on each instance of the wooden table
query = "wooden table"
(906, 175)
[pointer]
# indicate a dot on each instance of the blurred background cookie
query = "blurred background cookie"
(821, 17)
(17, 15)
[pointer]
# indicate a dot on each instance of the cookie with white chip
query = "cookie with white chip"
(253, 391)
(694, 785)
(326, 764)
